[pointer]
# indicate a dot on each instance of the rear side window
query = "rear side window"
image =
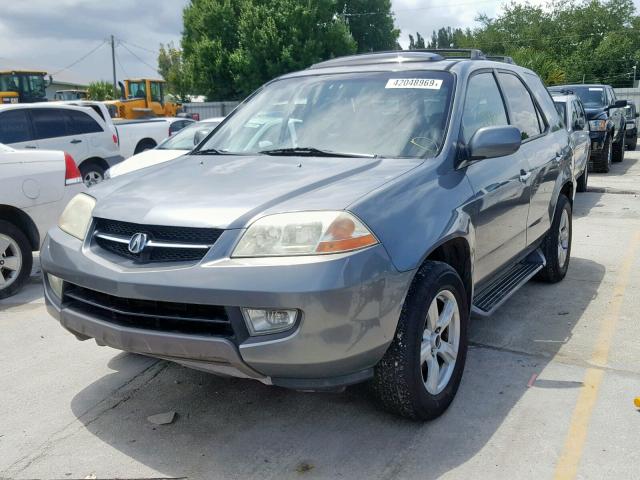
(49, 123)
(483, 105)
(521, 106)
(98, 110)
(14, 127)
(80, 123)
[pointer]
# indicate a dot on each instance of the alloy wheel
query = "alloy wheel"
(10, 261)
(440, 342)
(92, 177)
(563, 239)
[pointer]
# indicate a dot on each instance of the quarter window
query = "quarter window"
(523, 111)
(49, 123)
(80, 123)
(14, 127)
(483, 106)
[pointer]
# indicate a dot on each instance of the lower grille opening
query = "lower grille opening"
(186, 318)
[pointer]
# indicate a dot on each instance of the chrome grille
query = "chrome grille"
(166, 244)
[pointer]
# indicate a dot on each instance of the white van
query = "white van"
(79, 131)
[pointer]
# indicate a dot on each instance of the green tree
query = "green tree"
(101, 90)
(448, 37)
(371, 23)
(416, 43)
(230, 47)
(174, 71)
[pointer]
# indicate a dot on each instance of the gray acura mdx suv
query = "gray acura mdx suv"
(339, 227)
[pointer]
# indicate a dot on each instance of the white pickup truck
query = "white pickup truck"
(136, 136)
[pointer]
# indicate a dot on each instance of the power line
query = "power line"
(124, 44)
(120, 65)
(155, 52)
(80, 59)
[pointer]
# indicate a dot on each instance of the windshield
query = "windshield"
(8, 83)
(592, 97)
(390, 114)
(189, 137)
(137, 90)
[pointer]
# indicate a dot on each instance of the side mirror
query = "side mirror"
(199, 136)
(491, 142)
(620, 104)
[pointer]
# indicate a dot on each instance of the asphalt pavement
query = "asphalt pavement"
(547, 392)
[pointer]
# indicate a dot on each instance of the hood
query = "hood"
(598, 113)
(143, 160)
(228, 191)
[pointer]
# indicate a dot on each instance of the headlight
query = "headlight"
(304, 233)
(597, 125)
(76, 217)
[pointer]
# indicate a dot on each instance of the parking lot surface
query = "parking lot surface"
(547, 393)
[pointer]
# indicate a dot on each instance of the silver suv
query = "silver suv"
(340, 226)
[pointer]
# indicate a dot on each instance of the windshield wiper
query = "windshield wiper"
(312, 152)
(210, 151)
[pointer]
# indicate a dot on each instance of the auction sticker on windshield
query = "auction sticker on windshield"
(428, 83)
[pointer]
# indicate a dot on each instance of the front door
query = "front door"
(502, 199)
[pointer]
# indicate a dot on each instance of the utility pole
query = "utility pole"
(634, 76)
(113, 63)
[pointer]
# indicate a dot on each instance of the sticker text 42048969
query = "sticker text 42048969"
(428, 83)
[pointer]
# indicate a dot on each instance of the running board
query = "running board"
(496, 293)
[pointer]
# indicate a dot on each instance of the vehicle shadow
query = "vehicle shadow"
(233, 428)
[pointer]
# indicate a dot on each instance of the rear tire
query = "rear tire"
(16, 259)
(92, 173)
(419, 374)
(144, 145)
(556, 246)
(601, 161)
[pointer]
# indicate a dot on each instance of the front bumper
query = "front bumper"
(350, 306)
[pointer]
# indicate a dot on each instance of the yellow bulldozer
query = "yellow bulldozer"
(142, 98)
(22, 86)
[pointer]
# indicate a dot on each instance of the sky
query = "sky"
(70, 38)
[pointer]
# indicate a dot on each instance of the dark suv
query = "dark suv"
(607, 122)
(339, 226)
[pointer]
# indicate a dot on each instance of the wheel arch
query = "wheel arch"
(23, 221)
(145, 141)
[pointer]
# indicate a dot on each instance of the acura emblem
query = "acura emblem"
(138, 242)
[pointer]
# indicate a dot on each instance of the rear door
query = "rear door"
(502, 201)
(54, 132)
(15, 129)
(579, 135)
(545, 143)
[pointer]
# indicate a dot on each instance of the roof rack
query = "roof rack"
(380, 57)
(501, 58)
(561, 91)
(466, 53)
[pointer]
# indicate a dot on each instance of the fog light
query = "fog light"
(261, 322)
(56, 284)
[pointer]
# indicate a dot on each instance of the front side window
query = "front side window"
(156, 92)
(390, 114)
(49, 123)
(483, 105)
(14, 127)
(523, 111)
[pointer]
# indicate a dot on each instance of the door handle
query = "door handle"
(30, 147)
(524, 176)
(75, 140)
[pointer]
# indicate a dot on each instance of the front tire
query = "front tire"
(618, 151)
(601, 161)
(16, 259)
(92, 174)
(583, 180)
(556, 246)
(419, 375)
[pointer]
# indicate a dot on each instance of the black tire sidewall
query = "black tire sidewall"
(417, 306)
(91, 167)
(22, 241)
